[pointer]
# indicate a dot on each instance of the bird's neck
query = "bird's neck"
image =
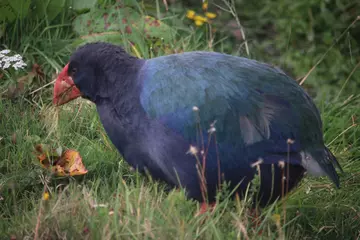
(120, 80)
(121, 65)
(121, 122)
(120, 112)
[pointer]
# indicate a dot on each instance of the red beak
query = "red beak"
(65, 89)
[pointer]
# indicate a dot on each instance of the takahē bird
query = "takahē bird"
(155, 110)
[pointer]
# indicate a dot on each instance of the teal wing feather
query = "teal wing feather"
(256, 106)
(225, 87)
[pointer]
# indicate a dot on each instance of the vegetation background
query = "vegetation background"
(316, 42)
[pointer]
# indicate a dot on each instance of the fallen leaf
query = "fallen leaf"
(71, 162)
(62, 163)
(46, 157)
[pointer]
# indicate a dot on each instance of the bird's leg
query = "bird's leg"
(205, 207)
(254, 214)
(255, 218)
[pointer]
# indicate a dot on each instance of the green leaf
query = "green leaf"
(153, 28)
(83, 4)
(49, 8)
(7, 13)
(125, 22)
(20, 7)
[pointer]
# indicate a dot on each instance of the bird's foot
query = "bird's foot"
(205, 208)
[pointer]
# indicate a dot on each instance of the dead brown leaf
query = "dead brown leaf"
(66, 163)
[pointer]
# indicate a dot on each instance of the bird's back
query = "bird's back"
(238, 93)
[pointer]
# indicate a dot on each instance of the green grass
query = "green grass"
(113, 202)
(138, 208)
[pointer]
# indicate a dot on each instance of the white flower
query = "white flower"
(6, 65)
(19, 65)
(5, 51)
(14, 61)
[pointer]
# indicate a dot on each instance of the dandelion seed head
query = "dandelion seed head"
(290, 141)
(195, 108)
(281, 164)
(212, 130)
(257, 163)
(192, 150)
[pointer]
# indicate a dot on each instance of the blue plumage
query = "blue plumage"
(146, 107)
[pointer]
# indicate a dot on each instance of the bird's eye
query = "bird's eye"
(73, 71)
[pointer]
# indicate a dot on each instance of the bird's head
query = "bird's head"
(90, 73)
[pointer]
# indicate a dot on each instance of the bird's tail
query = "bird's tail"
(321, 162)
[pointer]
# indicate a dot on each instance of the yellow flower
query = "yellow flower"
(200, 18)
(190, 14)
(199, 23)
(205, 5)
(210, 15)
(46, 196)
(276, 218)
